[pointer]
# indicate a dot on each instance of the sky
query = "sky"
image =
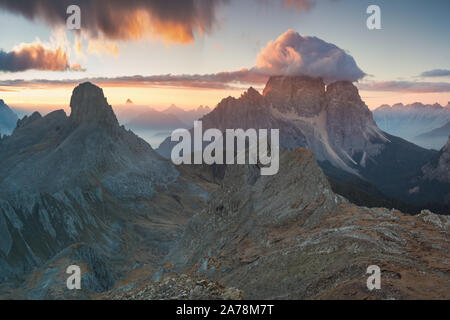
(196, 52)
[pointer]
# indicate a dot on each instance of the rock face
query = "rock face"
(89, 106)
(288, 236)
(304, 95)
(8, 119)
(441, 170)
(332, 121)
(83, 178)
(413, 121)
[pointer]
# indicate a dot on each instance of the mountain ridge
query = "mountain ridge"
(411, 121)
(8, 119)
(332, 121)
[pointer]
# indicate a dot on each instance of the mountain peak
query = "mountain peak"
(251, 94)
(289, 84)
(344, 91)
(304, 94)
(89, 105)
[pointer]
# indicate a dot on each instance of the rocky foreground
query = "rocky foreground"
(289, 236)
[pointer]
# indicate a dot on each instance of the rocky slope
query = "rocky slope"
(8, 119)
(332, 121)
(173, 287)
(85, 179)
(288, 236)
(412, 120)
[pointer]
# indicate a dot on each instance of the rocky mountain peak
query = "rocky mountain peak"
(291, 84)
(302, 93)
(350, 123)
(28, 119)
(89, 105)
(344, 97)
(252, 95)
(344, 90)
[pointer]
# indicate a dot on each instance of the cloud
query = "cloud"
(221, 80)
(171, 21)
(36, 56)
(294, 54)
(435, 73)
(405, 86)
(290, 54)
(301, 5)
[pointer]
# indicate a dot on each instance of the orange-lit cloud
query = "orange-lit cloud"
(36, 56)
(171, 21)
(299, 4)
(99, 47)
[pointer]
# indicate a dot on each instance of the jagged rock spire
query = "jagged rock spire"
(89, 105)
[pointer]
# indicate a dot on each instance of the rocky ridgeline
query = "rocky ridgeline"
(289, 236)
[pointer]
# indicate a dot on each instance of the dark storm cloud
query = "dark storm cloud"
(172, 21)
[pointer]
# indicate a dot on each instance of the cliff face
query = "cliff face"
(304, 95)
(89, 105)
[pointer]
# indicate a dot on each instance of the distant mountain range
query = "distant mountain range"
(153, 125)
(8, 119)
(337, 126)
(416, 123)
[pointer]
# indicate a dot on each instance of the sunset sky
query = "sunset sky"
(196, 52)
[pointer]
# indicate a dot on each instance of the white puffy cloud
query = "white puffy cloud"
(294, 54)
